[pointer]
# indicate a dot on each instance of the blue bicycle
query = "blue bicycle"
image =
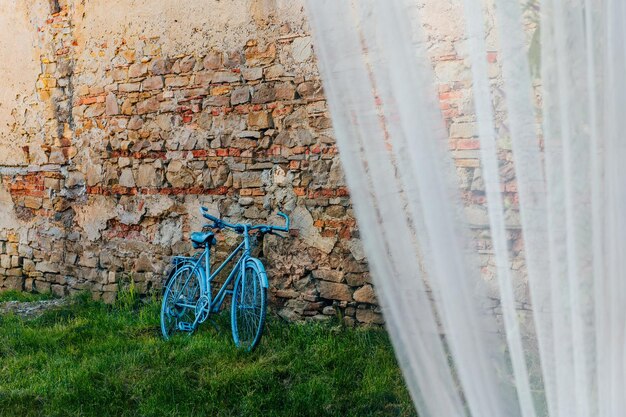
(188, 300)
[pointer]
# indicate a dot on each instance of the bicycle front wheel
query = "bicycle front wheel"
(248, 307)
(178, 308)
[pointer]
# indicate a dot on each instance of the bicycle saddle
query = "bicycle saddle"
(201, 239)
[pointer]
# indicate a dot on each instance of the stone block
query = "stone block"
(247, 179)
(246, 134)
(129, 87)
(328, 275)
(369, 317)
(301, 49)
(257, 56)
(186, 64)
(274, 71)
(135, 123)
(334, 291)
(240, 95)
(127, 107)
(152, 83)
(119, 74)
(286, 294)
(14, 282)
(126, 178)
(463, 130)
(176, 81)
(150, 105)
(44, 266)
(5, 261)
(143, 263)
(88, 259)
(95, 110)
(111, 105)
(355, 279)
(160, 66)
(137, 69)
(285, 91)
(251, 74)
(220, 90)
(94, 174)
(263, 93)
(329, 311)
(216, 101)
(14, 272)
(213, 60)
(310, 90)
(178, 175)
(226, 77)
(147, 176)
(365, 294)
(28, 265)
(58, 290)
(42, 287)
(260, 120)
(203, 78)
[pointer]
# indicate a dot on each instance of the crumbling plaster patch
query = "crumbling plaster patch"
(93, 216)
(8, 218)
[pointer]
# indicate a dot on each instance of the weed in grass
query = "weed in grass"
(90, 359)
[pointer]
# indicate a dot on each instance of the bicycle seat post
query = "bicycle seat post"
(207, 262)
(246, 238)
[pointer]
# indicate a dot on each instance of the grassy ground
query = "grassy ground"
(13, 295)
(89, 359)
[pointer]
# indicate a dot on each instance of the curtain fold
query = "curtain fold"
(463, 350)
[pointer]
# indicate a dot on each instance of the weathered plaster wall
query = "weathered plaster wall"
(19, 66)
(146, 112)
(120, 118)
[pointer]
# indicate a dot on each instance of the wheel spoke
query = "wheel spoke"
(180, 298)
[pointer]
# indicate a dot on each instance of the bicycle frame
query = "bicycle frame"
(207, 277)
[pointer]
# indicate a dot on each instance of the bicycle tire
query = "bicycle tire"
(248, 308)
(183, 288)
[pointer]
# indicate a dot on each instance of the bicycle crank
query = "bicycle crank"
(202, 309)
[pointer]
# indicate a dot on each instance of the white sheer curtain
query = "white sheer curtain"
(462, 352)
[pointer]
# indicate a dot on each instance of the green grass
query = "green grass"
(12, 295)
(89, 359)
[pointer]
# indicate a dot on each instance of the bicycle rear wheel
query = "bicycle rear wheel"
(178, 308)
(248, 307)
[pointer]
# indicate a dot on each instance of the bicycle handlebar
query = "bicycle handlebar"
(264, 228)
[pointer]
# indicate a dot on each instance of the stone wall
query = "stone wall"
(128, 130)
(120, 119)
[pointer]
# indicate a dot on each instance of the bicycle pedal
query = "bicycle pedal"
(183, 326)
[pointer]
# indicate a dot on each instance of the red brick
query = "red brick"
(88, 100)
(450, 95)
(468, 144)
